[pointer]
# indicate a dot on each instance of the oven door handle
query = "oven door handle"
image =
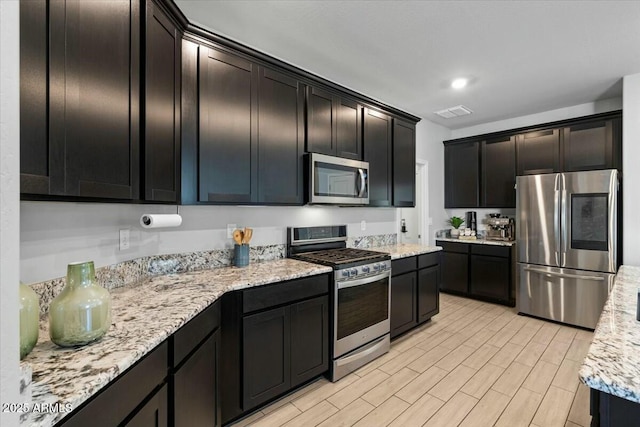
(363, 281)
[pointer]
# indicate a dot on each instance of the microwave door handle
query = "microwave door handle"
(363, 183)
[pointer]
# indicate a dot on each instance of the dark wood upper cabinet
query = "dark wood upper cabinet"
(34, 91)
(227, 155)
(161, 128)
(461, 175)
(94, 82)
(280, 139)
(320, 121)
(538, 152)
(334, 124)
(590, 145)
(348, 129)
(377, 144)
(499, 172)
(80, 99)
(404, 160)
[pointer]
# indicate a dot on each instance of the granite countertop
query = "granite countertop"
(403, 250)
(478, 241)
(612, 364)
(143, 316)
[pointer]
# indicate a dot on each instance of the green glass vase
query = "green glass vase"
(29, 319)
(81, 313)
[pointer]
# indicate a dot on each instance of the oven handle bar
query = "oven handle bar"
(375, 346)
(364, 280)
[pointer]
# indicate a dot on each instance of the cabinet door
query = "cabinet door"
(588, 146)
(490, 277)
(280, 139)
(320, 121)
(538, 152)
(428, 293)
(403, 303)
(309, 339)
(227, 168)
(161, 107)
(378, 152)
(266, 347)
(404, 164)
(34, 134)
(153, 413)
(499, 172)
(455, 272)
(461, 177)
(349, 129)
(94, 98)
(196, 398)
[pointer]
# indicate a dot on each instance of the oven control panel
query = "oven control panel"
(363, 271)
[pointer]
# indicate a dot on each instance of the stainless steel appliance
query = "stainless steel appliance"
(361, 296)
(566, 229)
(500, 228)
(337, 181)
(471, 220)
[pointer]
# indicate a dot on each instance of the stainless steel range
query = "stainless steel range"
(361, 294)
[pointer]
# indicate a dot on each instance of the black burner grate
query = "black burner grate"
(340, 256)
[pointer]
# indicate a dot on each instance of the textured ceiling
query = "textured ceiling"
(522, 57)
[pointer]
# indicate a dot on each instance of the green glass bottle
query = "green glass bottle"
(81, 313)
(29, 319)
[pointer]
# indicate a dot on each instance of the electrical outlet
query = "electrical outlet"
(125, 239)
(363, 225)
(230, 229)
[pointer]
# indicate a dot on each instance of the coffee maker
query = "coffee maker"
(500, 228)
(471, 221)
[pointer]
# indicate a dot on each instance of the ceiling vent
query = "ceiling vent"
(458, 110)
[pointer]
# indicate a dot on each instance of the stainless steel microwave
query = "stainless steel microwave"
(338, 181)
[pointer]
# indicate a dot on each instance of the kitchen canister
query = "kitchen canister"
(241, 255)
(81, 313)
(29, 319)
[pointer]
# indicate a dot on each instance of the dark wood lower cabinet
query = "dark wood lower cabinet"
(608, 410)
(479, 271)
(309, 339)
(414, 291)
(403, 303)
(154, 412)
(195, 387)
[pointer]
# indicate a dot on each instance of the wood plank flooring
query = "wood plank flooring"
(474, 364)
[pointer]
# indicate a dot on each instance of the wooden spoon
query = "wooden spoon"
(248, 234)
(238, 236)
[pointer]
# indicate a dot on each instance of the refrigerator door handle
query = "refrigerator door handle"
(564, 226)
(564, 275)
(556, 223)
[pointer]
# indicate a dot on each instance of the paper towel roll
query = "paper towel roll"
(158, 221)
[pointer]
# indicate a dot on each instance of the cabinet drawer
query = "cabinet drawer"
(427, 260)
(462, 248)
(282, 293)
(111, 406)
(403, 265)
(187, 338)
(491, 250)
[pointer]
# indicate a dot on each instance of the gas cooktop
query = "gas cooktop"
(341, 256)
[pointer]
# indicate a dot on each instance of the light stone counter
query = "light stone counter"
(478, 241)
(612, 364)
(144, 314)
(403, 250)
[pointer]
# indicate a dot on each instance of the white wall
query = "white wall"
(631, 171)
(429, 147)
(9, 205)
(54, 234)
(587, 109)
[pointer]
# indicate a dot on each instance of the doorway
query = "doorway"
(413, 225)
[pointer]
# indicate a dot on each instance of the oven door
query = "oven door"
(334, 180)
(361, 312)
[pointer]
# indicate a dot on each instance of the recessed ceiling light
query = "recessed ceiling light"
(459, 83)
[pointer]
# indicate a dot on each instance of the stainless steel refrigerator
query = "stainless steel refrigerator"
(566, 233)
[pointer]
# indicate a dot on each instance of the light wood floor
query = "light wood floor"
(474, 364)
